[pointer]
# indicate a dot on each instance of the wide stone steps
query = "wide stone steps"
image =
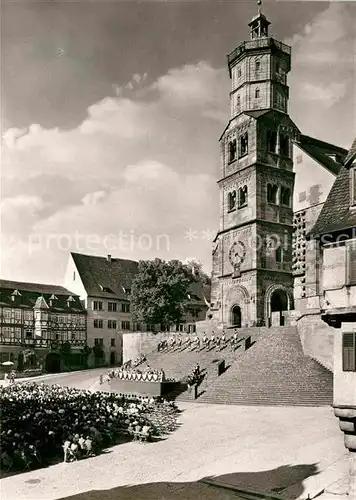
(273, 372)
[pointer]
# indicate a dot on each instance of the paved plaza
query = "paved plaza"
(291, 452)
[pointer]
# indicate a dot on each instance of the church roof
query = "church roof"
(336, 215)
(328, 155)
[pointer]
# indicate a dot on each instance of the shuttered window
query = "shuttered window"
(349, 352)
(353, 186)
(351, 263)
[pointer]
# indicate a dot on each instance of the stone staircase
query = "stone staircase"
(179, 364)
(273, 372)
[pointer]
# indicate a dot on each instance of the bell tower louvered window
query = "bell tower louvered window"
(349, 352)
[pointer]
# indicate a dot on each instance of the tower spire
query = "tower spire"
(259, 24)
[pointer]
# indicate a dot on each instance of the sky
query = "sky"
(111, 114)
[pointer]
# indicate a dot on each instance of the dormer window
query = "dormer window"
(244, 144)
(105, 289)
(52, 299)
(70, 300)
(15, 294)
(231, 200)
(232, 150)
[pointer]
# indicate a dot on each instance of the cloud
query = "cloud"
(323, 76)
(136, 166)
(327, 96)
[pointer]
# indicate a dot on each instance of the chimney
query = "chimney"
(109, 258)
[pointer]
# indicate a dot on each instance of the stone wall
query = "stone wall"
(317, 338)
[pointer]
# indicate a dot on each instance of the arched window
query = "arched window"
(232, 150)
(271, 141)
(257, 93)
(243, 196)
(272, 191)
(284, 145)
(285, 196)
(231, 200)
(244, 144)
(279, 254)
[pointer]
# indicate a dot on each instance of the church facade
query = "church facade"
(273, 182)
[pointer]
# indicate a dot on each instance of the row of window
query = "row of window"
(112, 306)
(9, 333)
(112, 324)
(237, 198)
(276, 195)
(239, 148)
(100, 341)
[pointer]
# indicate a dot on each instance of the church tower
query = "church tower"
(252, 251)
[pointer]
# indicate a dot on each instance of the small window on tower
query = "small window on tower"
(232, 150)
(243, 197)
(279, 254)
(244, 144)
(258, 65)
(285, 196)
(272, 191)
(257, 93)
(284, 145)
(231, 200)
(271, 141)
(277, 68)
(239, 73)
(238, 101)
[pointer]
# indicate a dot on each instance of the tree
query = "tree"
(159, 292)
(196, 268)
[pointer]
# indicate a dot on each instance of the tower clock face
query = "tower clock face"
(237, 253)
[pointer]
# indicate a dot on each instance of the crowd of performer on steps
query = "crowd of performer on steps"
(197, 343)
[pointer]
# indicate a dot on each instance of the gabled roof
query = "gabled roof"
(351, 155)
(336, 215)
(41, 303)
(34, 287)
(327, 155)
(99, 274)
(39, 295)
(256, 114)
